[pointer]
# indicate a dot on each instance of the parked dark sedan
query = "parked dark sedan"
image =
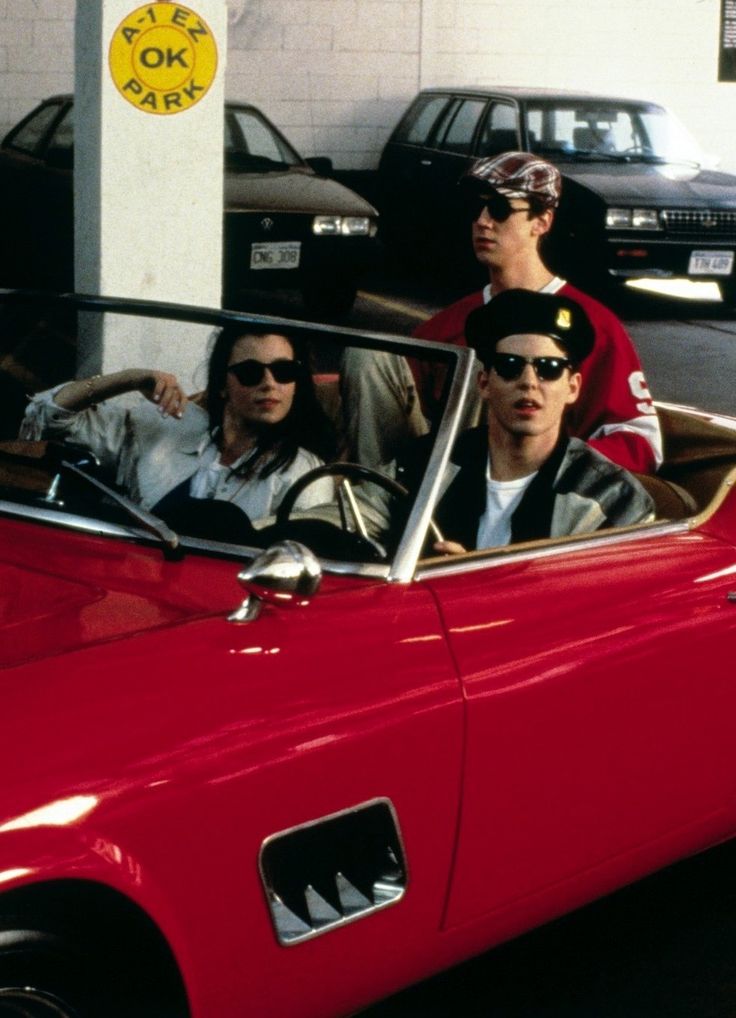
(638, 198)
(286, 224)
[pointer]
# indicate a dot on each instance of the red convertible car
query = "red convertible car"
(288, 777)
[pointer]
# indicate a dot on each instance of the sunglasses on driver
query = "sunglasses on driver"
(510, 366)
(251, 372)
(498, 206)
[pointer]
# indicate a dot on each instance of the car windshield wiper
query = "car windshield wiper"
(550, 150)
(169, 538)
(596, 155)
(246, 162)
(568, 152)
(657, 160)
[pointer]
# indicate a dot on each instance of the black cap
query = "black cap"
(517, 312)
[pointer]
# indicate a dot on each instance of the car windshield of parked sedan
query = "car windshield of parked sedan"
(610, 131)
(252, 144)
(257, 448)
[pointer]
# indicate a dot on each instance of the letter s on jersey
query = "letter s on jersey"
(640, 391)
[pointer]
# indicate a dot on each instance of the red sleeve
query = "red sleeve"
(614, 413)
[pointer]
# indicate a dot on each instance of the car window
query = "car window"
(63, 136)
(419, 123)
(667, 137)
(31, 134)
(585, 128)
(60, 147)
(608, 130)
(500, 130)
(329, 491)
(251, 142)
(459, 132)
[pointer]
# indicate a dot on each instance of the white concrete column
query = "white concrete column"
(148, 178)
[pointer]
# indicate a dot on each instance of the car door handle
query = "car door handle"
(425, 162)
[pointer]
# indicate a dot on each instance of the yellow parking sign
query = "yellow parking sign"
(163, 58)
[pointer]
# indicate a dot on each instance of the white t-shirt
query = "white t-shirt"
(502, 499)
(555, 284)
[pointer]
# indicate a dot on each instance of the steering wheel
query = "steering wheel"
(365, 545)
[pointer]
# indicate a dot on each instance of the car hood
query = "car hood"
(669, 184)
(62, 591)
(293, 190)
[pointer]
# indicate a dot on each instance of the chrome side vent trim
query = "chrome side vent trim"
(332, 871)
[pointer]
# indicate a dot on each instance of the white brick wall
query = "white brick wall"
(336, 74)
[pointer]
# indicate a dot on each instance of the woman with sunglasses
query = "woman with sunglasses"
(521, 477)
(260, 429)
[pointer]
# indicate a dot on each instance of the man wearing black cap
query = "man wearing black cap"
(520, 477)
(510, 201)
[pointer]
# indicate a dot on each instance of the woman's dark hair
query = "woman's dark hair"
(306, 425)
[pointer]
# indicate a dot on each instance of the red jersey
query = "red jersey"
(614, 412)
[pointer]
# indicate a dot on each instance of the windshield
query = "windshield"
(252, 442)
(610, 131)
(252, 144)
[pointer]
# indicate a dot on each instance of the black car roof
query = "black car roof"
(524, 93)
(62, 97)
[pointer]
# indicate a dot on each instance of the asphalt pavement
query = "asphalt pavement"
(662, 948)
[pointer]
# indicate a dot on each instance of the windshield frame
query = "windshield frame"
(461, 365)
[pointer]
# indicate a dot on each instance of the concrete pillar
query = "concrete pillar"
(148, 178)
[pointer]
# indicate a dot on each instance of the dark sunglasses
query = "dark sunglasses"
(510, 366)
(498, 206)
(252, 372)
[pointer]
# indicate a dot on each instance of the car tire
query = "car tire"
(47, 973)
(727, 288)
(41, 975)
(329, 298)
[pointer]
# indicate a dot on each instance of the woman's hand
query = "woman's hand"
(164, 390)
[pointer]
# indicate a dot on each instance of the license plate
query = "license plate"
(275, 255)
(710, 263)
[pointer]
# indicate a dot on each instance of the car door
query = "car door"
(500, 130)
(600, 698)
(402, 169)
(441, 166)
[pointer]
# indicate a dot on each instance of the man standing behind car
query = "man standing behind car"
(510, 201)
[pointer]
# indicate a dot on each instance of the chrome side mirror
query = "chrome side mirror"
(287, 573)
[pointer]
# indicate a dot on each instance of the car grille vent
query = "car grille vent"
(703, 222)
(333, 871)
